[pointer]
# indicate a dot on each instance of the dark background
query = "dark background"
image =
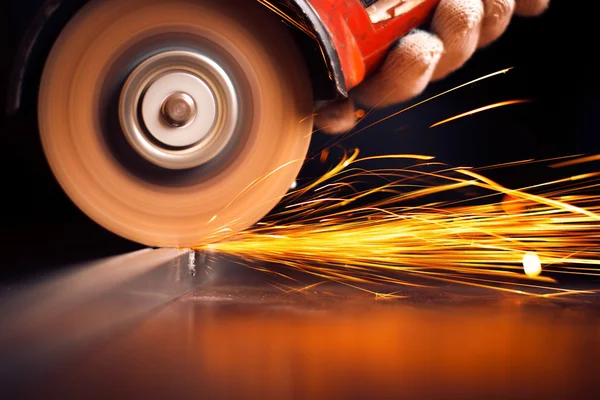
(554, 59)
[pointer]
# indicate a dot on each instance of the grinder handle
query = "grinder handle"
(362, 31)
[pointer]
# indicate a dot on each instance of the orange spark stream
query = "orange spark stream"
(341, 228)
(481, 109)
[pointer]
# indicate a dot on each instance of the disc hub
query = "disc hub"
(178, 109)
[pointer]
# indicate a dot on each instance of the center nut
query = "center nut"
(178, 109)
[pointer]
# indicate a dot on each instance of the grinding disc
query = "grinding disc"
(129, 195)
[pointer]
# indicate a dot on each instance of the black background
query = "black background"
(554, 59)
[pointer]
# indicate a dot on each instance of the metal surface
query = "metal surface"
(157, 203)
(210, 88)
(240, 337)
(47, 322)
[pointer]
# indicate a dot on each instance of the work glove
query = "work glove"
(459, 28)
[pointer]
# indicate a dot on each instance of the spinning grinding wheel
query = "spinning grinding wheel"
(173, 122)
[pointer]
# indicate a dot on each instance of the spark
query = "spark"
(324, 155)
(343, 229)
(532, 264)
(354, 131)
(481, 109)
(576, 161)
(290, 20)
(493, 74)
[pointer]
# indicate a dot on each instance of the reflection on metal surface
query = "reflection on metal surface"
(237, 337)
(256, 343)
(46, 322)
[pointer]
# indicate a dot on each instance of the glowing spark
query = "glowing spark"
(478, 110)
(576, 161)
(502, 71)
(287, 18)
(294, 185)
(357, 232)
(340, 229)
(532, 264)
(512, 205)
(305, 118)
(396, 156)
(360, 114)
(494, 186)
(258, 181)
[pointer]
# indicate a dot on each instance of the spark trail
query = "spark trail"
(416, 221)
(342, 229)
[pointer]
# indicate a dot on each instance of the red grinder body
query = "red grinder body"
(362, 31)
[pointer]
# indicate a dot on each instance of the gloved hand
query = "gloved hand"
(459, 28)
